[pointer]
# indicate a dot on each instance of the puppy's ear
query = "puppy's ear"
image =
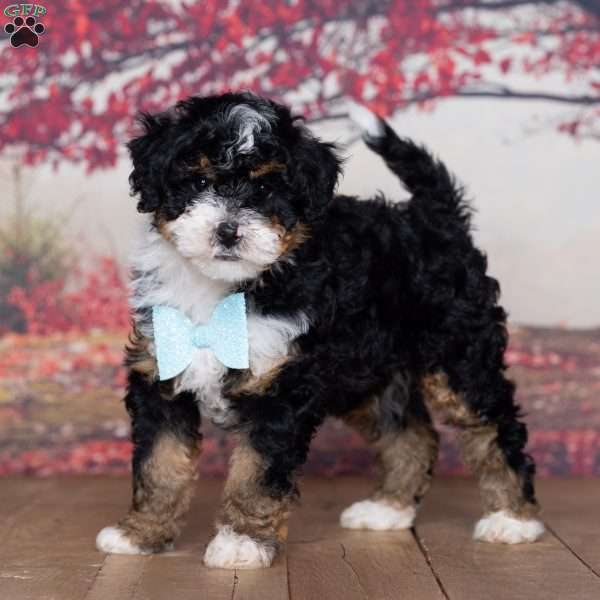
(318, 167)
(150, 156)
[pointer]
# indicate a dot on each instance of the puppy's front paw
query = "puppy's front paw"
(113, 541)
(230, 550)
(502, 527)
(377, 515)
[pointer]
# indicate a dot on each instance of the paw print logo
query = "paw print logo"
(24, 31)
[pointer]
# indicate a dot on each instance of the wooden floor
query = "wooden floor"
(47, 531)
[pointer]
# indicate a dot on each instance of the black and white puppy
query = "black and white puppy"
(378, 313)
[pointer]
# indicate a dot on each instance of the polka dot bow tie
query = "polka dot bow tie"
(176, 337)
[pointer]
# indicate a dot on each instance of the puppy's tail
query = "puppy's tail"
(421, 173)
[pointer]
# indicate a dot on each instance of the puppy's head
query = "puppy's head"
(235, 183)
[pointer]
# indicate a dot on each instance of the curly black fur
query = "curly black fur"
(390, 289)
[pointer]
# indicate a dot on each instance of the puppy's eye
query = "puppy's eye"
(262, 187)
(202, 182)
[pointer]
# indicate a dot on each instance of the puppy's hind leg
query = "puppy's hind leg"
(407, 447)
(492, 446)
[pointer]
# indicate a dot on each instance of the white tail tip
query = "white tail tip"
(369, 123)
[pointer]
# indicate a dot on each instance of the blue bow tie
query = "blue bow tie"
(176, 337)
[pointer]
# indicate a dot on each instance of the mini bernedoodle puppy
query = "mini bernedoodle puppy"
(374, 312)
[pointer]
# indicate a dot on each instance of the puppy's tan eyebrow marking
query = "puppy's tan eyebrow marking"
(204, 166)
(204, 162)
(266, 168)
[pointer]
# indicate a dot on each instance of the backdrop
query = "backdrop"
(507, 92)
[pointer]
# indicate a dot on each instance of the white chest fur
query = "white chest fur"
(163, 276)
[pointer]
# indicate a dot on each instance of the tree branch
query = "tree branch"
(498, 5)
(502, 92)
(508, 94)
(590, 6)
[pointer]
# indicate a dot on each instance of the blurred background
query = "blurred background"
(507, 92)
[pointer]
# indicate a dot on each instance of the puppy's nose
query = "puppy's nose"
(227, 233)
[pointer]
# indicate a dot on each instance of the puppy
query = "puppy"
(377, 313)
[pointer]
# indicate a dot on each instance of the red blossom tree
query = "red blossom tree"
(73, 97)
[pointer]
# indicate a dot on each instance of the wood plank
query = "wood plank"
(62, 525)
(318, 571)
(182, 576)
(118, 578)
(268, 583)
(58, 582)
(18, 491)
(48, 529)
(48, 551)
(469, 569)
(571, 509)
(326, 561)
(18, 495)
(385, 566)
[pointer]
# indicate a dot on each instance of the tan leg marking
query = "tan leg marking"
(405, 458)
(406, 462)
(138, 356)
(501, 487)
(246, 507)
(163, 493)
